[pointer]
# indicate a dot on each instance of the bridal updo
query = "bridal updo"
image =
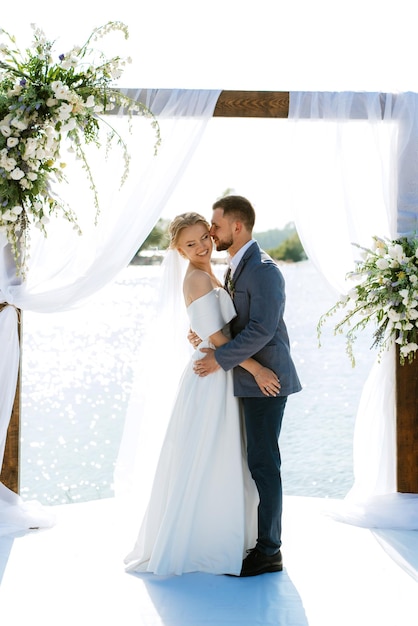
(183, 221)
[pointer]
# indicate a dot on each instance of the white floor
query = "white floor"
(334, 575)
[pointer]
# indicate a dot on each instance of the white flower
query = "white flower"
(6, 131)
(396, 252)
(393, 315)
(68, 62)
(64, 111)
(41, 153)
(90, 102)
(17, 210)
(19, 124)
(382, 264)
(413, 314)
(60, 90)
(404, 293)
(17, 174)
(6, 120)
(116, 73)
(70, 125)
(32, 175)
(51, 102)
(12, 142)
(9, 216)
(16, 91)
(30, 147)
(409, 347)
(9, 164)
(25, 184)
(413, 278)
(35, 165)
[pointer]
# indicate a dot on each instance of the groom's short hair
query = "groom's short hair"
(237, 207)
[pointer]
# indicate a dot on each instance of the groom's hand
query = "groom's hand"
(208, 364)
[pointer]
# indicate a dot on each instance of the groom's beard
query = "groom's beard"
(223, 245)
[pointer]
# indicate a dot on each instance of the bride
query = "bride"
(202, 511)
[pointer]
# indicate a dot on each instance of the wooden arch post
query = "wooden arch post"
(9, 474)
(275, 104)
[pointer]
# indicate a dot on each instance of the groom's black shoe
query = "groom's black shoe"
(258, 563)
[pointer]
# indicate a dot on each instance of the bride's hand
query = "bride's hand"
(268, 382)
(194, 339)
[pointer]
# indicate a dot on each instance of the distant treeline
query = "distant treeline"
(282, 244)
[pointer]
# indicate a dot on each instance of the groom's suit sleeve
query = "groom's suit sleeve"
(260, 303)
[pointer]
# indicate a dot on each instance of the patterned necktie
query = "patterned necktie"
(228, 280)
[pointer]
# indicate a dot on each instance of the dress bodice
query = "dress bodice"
(211, 312)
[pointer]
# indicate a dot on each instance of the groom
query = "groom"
(258, 330)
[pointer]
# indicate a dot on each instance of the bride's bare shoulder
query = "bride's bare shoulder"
(197, 283)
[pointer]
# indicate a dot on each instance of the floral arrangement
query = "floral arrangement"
(44, 102)
(386, 294)
(230, 286)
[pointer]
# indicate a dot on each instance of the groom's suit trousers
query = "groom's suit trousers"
(263, 421)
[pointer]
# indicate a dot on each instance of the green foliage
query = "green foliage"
(158, 238)
(271, 239)
(290, 249)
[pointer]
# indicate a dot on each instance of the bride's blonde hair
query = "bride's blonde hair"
(183, 221)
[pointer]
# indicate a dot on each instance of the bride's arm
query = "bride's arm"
(265, 378)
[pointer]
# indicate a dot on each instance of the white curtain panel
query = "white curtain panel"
(65, 268)
(355, 165)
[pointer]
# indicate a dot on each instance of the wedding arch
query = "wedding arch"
(343, 121)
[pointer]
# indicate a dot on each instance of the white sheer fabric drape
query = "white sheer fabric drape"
(348, 157)
(161, 359)
(65, 268)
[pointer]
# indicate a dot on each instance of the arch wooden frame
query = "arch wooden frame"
(274, 104)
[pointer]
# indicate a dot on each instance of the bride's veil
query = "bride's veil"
(162, 357)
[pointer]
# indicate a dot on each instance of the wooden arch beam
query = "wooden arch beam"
(266, 104)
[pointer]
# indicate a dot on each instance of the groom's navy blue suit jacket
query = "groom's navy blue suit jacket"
(258, 330)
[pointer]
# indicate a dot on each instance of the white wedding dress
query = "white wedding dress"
(202, 513)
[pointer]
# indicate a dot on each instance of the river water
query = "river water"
(77, 377)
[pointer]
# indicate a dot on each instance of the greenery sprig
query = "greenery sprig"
(44, 102)
(386, 295)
